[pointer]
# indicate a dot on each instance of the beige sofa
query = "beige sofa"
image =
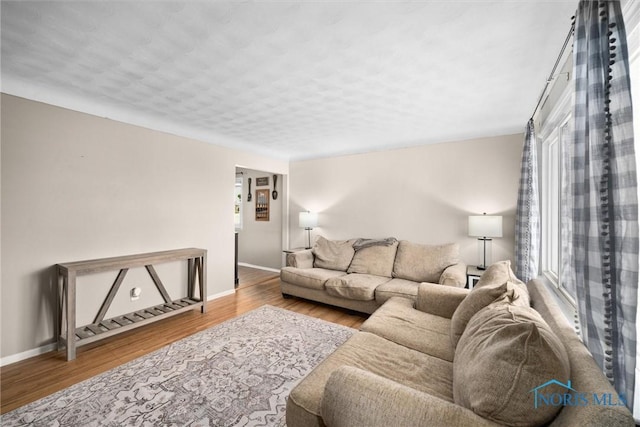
(361, 274)
(461, 358)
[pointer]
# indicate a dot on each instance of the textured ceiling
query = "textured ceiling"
(290, 79)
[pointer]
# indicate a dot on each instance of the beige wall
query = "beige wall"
(260, 242)
(76, 186)
(422, 194)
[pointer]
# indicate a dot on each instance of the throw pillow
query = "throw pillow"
(479, 298)
(423, 263)
(376, 260)
(495, 276)
(498, 273)
(505, 353)
(332, 254)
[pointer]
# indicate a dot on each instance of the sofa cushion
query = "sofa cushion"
(493, 277)
(423, 263)
(495, 283)
(333, 254)
(397, 321)
(300, 259)
(479, 298)
(360, 287)
(455, 275)
(505, 353)
(397, 288)
(312, 278)
(382, 357)
(498, 273)
(376, 260)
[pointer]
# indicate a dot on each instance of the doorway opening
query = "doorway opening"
(259, 213)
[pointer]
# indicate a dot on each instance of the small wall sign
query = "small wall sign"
(263, 181)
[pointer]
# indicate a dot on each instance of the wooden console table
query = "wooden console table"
(72, 337)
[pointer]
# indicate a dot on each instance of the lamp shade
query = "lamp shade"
(308, 219)
(485, 226)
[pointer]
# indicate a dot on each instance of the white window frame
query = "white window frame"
(550, 207)
(550, 139)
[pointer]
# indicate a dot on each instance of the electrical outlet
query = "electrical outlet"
(135, 293)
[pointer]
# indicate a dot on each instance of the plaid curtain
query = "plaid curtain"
(528, 211)
(604, 190)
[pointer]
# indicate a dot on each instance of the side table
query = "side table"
(293, 250)
(473, 275)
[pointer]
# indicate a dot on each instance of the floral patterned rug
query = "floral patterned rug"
(238, 373)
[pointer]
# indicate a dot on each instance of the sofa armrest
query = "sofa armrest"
(300, 259)
(354, 397)
(455, 275)
(439, 300)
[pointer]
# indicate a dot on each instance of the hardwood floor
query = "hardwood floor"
(26, 381)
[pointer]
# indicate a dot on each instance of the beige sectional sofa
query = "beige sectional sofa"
(496, 355)
(361, 274)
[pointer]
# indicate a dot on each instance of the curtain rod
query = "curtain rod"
(555, 66)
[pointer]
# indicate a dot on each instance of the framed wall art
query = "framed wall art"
(262, 204)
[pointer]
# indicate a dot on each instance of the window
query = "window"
(551, 207)
(555, 138)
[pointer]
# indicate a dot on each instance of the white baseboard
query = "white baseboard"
(7, 360)
(259, 267)
(221, 294)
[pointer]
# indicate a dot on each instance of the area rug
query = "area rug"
(238, 373)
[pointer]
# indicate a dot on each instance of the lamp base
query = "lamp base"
(484, 253)
(308, 237)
